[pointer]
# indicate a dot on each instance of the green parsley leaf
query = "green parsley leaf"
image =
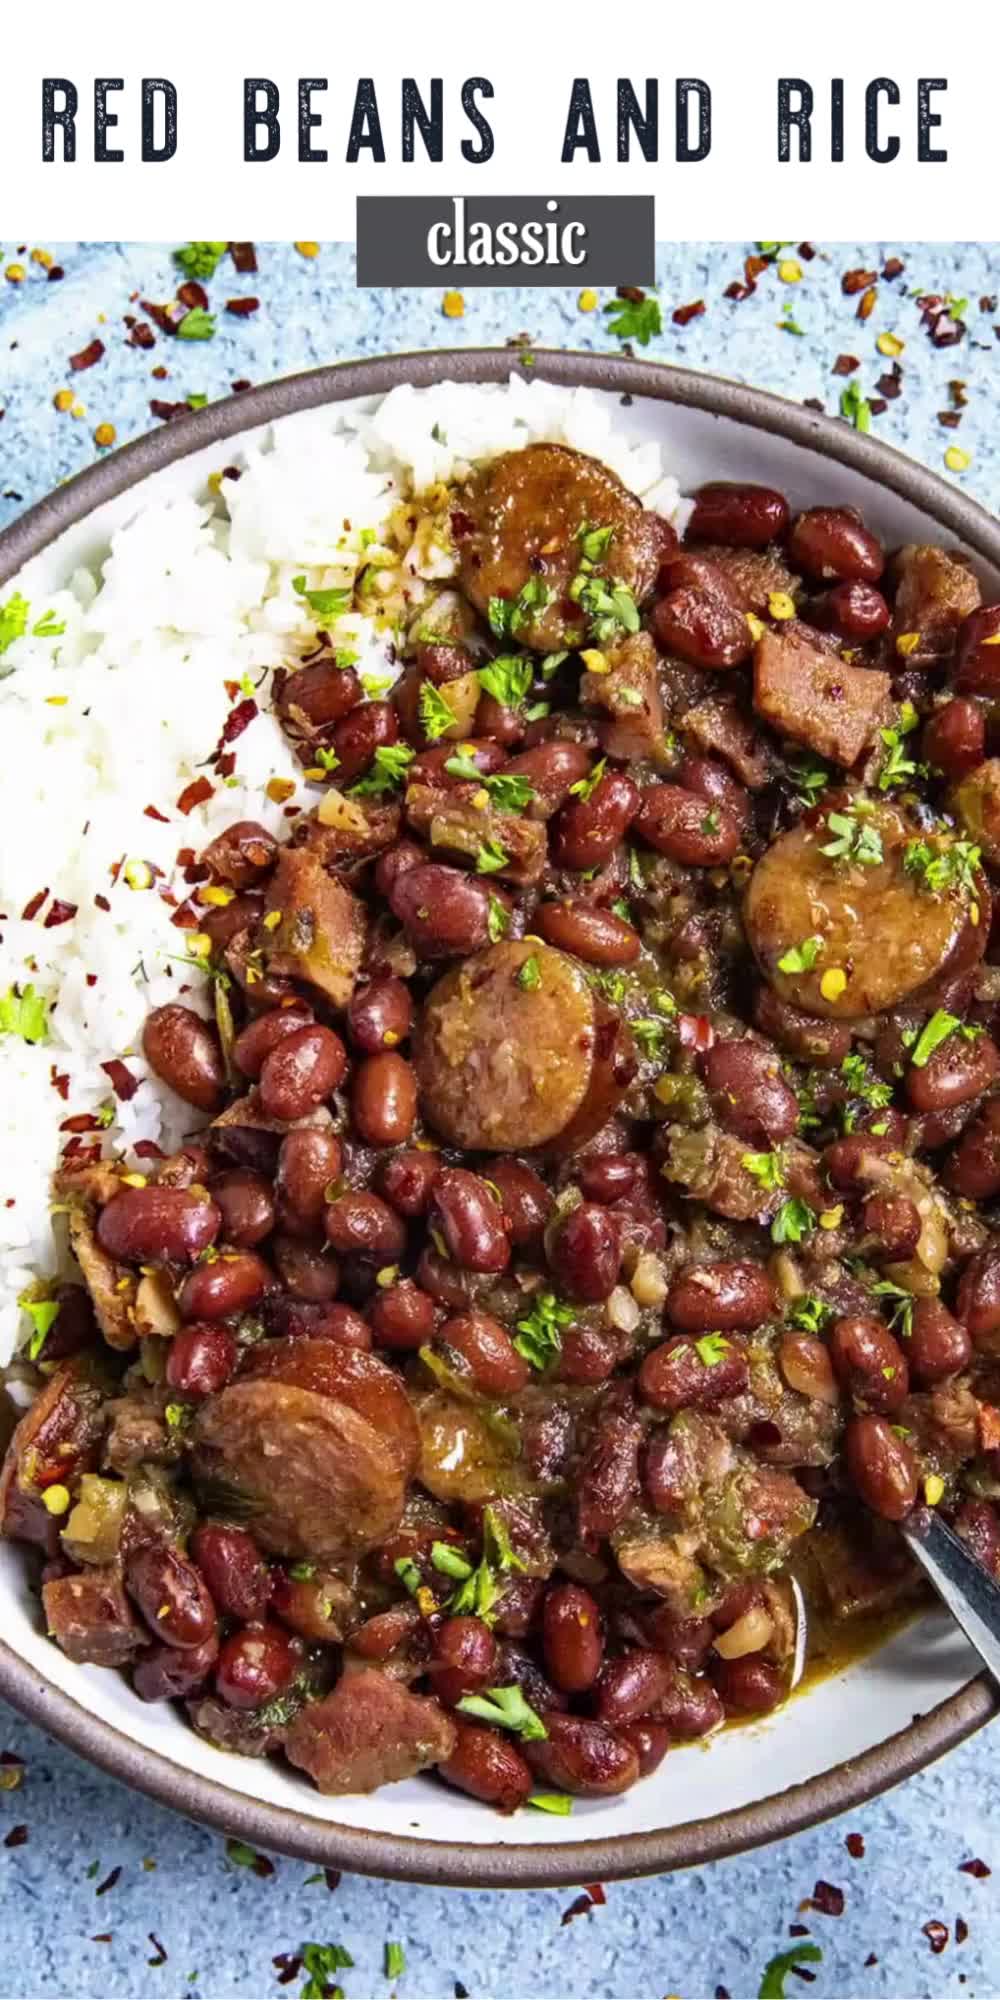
(24, 1014)
(43, 1314)
(450, 1561)
(395, 1960)
(497, 920)
(509, 794)
(901, 1310)
(325, 603)
(301, 1572)
(47, 627)
(935, 1031)
(436, 714)
(635, 319)
(790, 325)
(509, 615)
(951, 867)
(13, 620)
(809, 779)
(551, 663)
(505, 1708)
(794, 1220)
(508, 679)
(529, 975)
(376, 685)
(855, 841)
(321, 1961)
(766, 1168)
(408, 1574)
(584, 787)
(551, 1802)
(387, 772)
(177, 1415)
(327, 760)
(196, 325)
(198, 260)
(772, 1985)
(490, 857)
(650, 1035)
(196, 401)
(809, 1313)
(897, 767)
(855, 406)
(539, 1336)
(711, 1349)
(621, 909)
(802, 957)
(610, 607)
(498, 1547)
(594, 542)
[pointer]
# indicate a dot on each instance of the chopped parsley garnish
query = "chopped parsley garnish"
(13, 620)
(509, 615)
(622, 909)
(47, 627)
(478, 1593)
(897, 767)
(610, 608)
(594, 542)
(539, 1336)
(854, 405)
(321, 1961)
(710, 823)
(327, 760)
(24, 1014)
(43, 1314)
(177, 1415)
(505, 1708)
(711, 1349)
(302, 1572)
(449, 1561)
(802, 957)
(198, 260)
(529, 976)
(809, 779)
(395, 1959)
(940, 869)
(935, 1031)
(772, 1985)
(376, 685)
(387, 772)
(436, 714)
(325, 603)
(497, 920)
(635, 319)
(491, 857)
(794, 1220)
(766, 1169)
(408, 1574)
(649, 1034)
(508, 794)
(901, 1310)
(584, 787)
(551, 1802)
(196, 325)
(854, 840)
(809, 1313)
(508, 678)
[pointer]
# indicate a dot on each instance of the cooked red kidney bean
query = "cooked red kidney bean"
(363, 1222)
(698, 626)
(632, 1685)
(393, 863)
(977, 1524)
(161, 1224)
(599, 937)
(238, 1579)
(749, 1686)
(586, 832)
(309, 1161)
(74, 1326)
(223, 922)
(497, 1367)
(586, 1253)
(588, 1355)
(723, 1295)
(583, 1757)
(384, 1099)
(881, 1467)
(572, 1637)
(447, 1282)
(334, 1321)
(650, 1741)
(470, 1219)
(685, 827)
(844, 1160)
(380, 1014)
(403, 1317)
(407, 1179)
(895, 1220)
(201, 1358)
(712, 781)
(441, 662)
(321, 693)
(310, 1605)
(677, 1374)
(805, 1365)
(978, 1300)
(307, 1271)
(824, 1044)
(255, 1042)
(739, 514)
(684, 1640)
(607, 1177)
(301, 1072)
(868, 1362)
(246, 1204)
(383, 1635)
(975, 669)
(939, 1345)
(256, 1664)
(167, 1673)
(186, 1053)
(171, 1595)
(505, 726)
(445, 913)
(852, 610)
(234, 1283)
(464, 1658)
(524, 1198)
(834, 542)
(242, 853)
(366, 729)
(552, 769)
(973, 1169)
(957, 1071)
(488, 1767)
(750, 1095)
(954, 738)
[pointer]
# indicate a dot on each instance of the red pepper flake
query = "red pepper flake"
(159, 374)
(857, 281)
(122, 1082)
(153, 812)
(807, 251)
(225, 763)
(288, 1965)
(87, 356)
(91, 978)
(59, 1080)
(147, 1149)
(827, 1899)
(798, 1930)
(160, 1949)
(238, 719)
(31, 908)
(184, 917)
(581, 1906)
(242, 308)
(976, 1868)
(936, 1934)
(893, 267)
(141, 335)
(16, 1837)
(722, 1993)
(634, 294)
(683, 315)
(239, 387)
(596, 1892)
(193, 295)
(244, 257)
(739, 292)
(59, 913)
(754, 267)
(102, 902)
(855, 1845)
(55, 272)
(871, 1959)
(81, 1121)
(949, 419)
(891, 383)
(194, 794)
(102, 1937)
(961, 1930)
(168, 411)
(867, 303)
(161, 316)
(76, 1154)
(695, 1031)
(877, 406)
(333, 1878)
(845, 364)
(262, 1866)
(108, 1882)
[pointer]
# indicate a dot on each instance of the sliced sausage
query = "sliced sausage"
(349, 1375)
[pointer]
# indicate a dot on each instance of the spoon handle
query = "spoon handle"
(971, 1594)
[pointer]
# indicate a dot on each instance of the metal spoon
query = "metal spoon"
(972, 1596)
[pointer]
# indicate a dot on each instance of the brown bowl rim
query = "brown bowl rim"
(400, 1856)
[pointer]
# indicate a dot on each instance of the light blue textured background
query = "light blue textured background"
(687, 1935)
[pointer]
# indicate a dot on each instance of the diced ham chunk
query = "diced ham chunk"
(936, 589)
(461, 823)
(90, 1618)
(818, 699)
(628, 700)
(370, 1731)
(319, 935)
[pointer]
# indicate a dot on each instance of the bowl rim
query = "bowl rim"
(400, 1856)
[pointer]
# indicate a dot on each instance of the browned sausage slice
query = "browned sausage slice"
(350, 1376)
(313, 927)
(313, 1478)
(878, 924)
(370, 1731)
(528, 508)
(816, 698)
(512, 1051)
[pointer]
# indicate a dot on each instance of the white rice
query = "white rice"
(124, 708)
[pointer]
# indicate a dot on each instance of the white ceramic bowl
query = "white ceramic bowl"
(863, 1728)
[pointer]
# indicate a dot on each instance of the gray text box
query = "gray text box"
(612, 235)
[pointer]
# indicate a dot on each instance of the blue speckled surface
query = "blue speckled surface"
(692, 1935)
